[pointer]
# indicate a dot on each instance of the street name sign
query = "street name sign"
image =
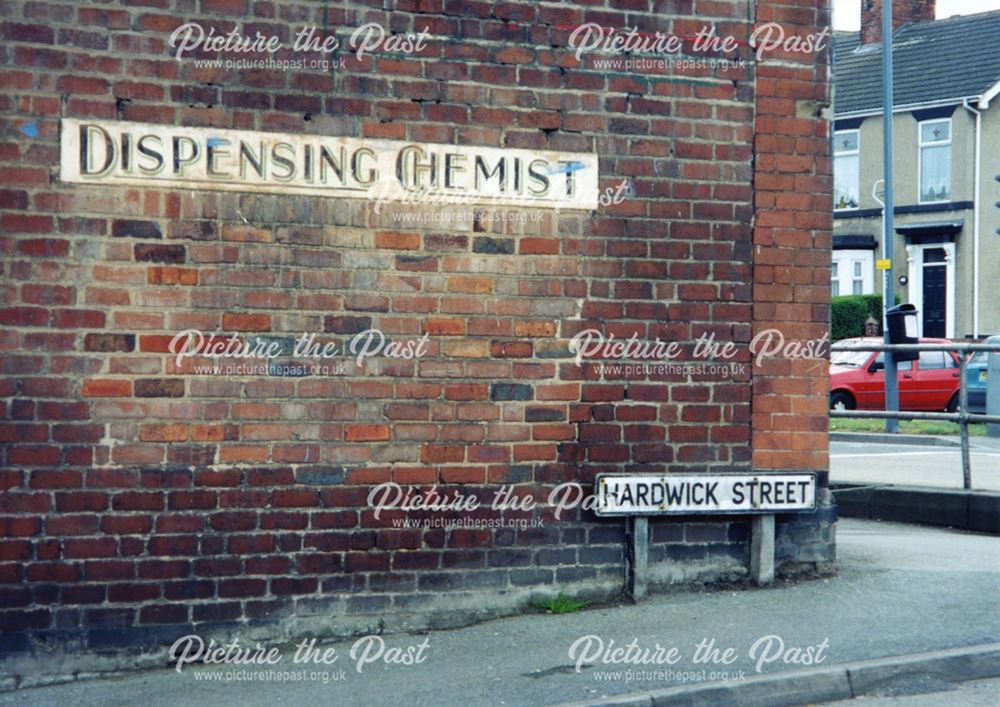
(704, 494)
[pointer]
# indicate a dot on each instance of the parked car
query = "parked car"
(857, 378)
(976, 375)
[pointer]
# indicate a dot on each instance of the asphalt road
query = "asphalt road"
(901, 589)
(911, 465)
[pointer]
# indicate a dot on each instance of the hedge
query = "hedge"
(848, 315)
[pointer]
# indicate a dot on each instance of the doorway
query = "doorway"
(931, 287)
(935, 293)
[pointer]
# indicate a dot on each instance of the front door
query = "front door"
(935, 302)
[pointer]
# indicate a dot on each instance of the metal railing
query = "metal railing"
(962, 417)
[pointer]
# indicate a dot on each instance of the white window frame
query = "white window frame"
(845, 260)
(920, 158)
(846, 153)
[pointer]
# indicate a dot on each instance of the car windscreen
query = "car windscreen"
(852, 359)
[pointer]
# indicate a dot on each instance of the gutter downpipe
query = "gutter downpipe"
(976, 210)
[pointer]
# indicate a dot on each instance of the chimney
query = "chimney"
(903, 12)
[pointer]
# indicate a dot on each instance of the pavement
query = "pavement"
(871, 459)
(901, 590)
(975, 693)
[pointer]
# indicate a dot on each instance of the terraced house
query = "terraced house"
(946, 127)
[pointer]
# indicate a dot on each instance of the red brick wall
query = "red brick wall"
(792, 243)
(139, 499)
(791, 273)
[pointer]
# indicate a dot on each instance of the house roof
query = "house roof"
(933, 62)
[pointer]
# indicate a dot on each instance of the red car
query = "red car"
(857, 379)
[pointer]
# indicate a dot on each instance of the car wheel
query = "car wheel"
(841, 401)
(953, 404)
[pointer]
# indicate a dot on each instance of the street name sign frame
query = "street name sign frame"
(705, 494)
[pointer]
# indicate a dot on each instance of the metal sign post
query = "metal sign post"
(761, 495)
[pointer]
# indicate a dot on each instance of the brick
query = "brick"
(219, 477)
(24, 316)
(11, 527)
(437, 453)
(235, 321)
(511, 391)
(80, 501)
(33, 455)
(346, 325)
(534, 329)
(498, 246)
(294, 498)
(157, 253)
(120, 343)
(367, 433)
(43, 247)
(539, 246)
(163, 614)
(126, 525)
(225, 7)
(125, 228)
(47, 294)
(171, 276)
(159, 388)
(173, 545)
(397, 240)
(444, 327)
(247, 234)
(471, 285)
(94, 388)
(236, 588)
(163, 433)
(78, 319)
(92, 547)
(137, 501)
(466, 391)
(27, 32)
(25, 223)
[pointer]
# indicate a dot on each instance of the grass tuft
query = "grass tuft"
(561, 604)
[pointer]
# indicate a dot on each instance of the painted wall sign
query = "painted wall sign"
(689, 494)
(142, 154)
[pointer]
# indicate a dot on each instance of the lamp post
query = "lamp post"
(889, 299)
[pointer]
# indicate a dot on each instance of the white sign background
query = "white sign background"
(704, 494)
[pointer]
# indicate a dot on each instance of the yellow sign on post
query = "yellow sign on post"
(883, 264)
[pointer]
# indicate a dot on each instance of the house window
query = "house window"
(935, 161)
(853, 272)
(846, 169)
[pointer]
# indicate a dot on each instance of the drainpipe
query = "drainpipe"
(976, 210)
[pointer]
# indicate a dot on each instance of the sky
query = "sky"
(847, 13)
